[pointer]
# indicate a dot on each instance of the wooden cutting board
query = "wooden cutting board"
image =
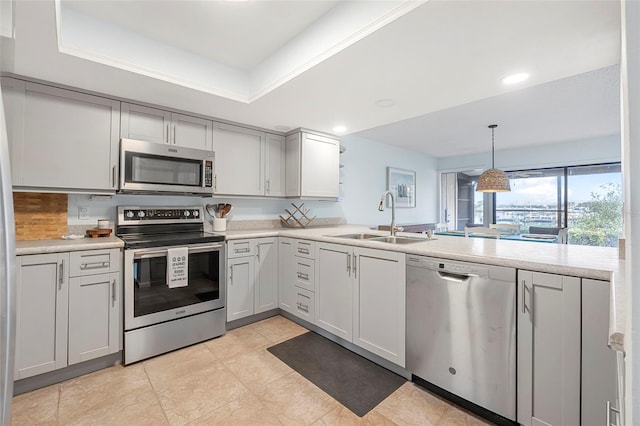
(39, 216)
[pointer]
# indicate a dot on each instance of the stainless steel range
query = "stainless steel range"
(174, 280)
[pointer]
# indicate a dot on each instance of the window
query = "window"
(586, 199)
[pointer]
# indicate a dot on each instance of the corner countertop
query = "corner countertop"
(600, 263)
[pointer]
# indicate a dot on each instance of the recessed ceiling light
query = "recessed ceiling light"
(339, 129)
(515, 78)
(385, 103)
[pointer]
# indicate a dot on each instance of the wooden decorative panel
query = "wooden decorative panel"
(40, 216)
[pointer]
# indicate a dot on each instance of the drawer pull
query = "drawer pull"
(303, 307)
(93, 265)
(303, 276)
(244, 250)
(303, 250)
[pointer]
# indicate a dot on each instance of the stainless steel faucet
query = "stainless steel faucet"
(393, 228)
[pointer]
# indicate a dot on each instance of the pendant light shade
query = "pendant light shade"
(493, 180)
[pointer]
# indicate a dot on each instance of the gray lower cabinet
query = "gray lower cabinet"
(296, 279)
(566, 372)
(68, 309)
(41, 313)
(252, 277)
(598, 360)
(94, 312)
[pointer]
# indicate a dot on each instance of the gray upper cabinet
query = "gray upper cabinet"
(160, 126)
(312, 165)
(61, 139)
(248, 161)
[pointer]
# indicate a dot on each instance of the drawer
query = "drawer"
(305, 272)
(240, 248)
(304, 304)
(92, 262)
(305, 248)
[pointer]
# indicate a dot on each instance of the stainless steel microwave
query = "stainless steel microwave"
(147, 167)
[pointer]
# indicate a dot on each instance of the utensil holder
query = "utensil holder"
(219, 224)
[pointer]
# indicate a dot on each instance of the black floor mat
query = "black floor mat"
(354, 381)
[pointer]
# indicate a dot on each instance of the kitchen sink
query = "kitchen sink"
(398, 240)
(360, 236)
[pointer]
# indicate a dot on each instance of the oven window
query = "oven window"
(151, 293)
(145, 168)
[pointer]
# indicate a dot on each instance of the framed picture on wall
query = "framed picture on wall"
(403, 185)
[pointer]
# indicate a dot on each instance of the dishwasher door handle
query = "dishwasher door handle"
(456, 278)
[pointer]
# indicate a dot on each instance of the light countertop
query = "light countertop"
(600, 263)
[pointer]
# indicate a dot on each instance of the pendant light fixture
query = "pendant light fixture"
(493, 180)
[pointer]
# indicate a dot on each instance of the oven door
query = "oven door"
(149, 300)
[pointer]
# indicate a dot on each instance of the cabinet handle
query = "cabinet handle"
(167, 138)
(268, 186)
(303, 250)
(355, 261)
(244, 250)
(230, 274)
(93, 265)
(174, 134)
(303, 276)
(349, 264)
(215, 182)
(609, 410)
(113, 292)
(258, 254)
(525, 290)
(61, 273)
(303, 307)
(113, 176)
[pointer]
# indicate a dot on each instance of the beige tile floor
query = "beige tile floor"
(231, 380)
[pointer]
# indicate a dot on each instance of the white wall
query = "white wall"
(592, 151)
(365, 179)
(364, 176)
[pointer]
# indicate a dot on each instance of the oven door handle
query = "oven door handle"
(146, 254)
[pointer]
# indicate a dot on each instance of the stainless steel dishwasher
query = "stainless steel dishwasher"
(461, 332)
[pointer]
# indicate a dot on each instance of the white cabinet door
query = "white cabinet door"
(266, 284)
(145, 124)
(13, 100)
(380, 300)
(334, 289)
(598, 360)
(41, 314)
(312, 166)
(548, 349)
(64, 139)
(94, 302)
(239, 153)
(320, 169)
(286, 274)
(275, 166)
(192, 132)
(240, 284)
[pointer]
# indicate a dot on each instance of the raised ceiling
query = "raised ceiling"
(317, 64)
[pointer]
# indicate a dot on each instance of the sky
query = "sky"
(543, 190)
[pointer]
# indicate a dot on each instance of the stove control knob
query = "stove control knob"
(195, 213)
(129, 214)
(186, 213)
(140, 214)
